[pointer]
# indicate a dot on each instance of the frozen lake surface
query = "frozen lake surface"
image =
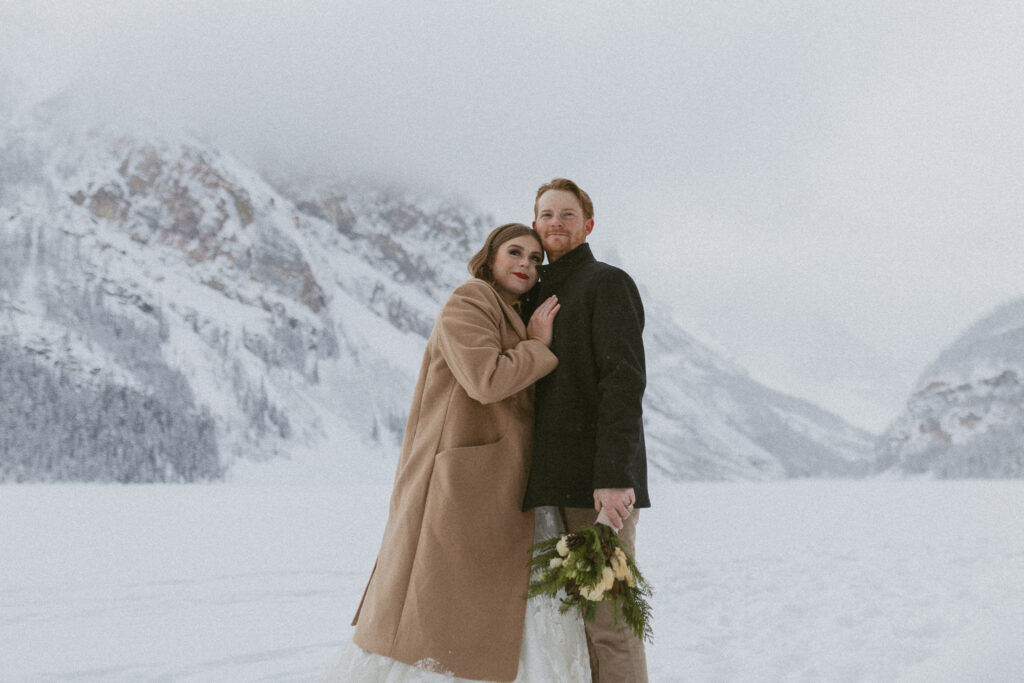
(786, 581)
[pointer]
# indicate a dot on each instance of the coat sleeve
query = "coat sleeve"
(469, 338)
(618, 324)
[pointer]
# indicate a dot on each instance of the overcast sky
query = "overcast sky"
(752, 162)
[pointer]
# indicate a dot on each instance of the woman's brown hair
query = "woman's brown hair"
(480, 264)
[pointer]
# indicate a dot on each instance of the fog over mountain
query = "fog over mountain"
(765, 161)
(169, 313)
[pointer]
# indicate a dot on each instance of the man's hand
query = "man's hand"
(616, 503)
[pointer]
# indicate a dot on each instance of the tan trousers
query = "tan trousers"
(616, 655)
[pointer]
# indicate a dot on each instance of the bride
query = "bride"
(445, 599)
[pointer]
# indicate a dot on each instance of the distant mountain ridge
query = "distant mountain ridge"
(835, 368)
(171, 315)
(966, 418)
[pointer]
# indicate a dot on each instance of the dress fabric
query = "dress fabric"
(554, 644)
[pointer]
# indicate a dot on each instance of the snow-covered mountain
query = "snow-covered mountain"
(166, 313)
(813, 355)
(707, 419)
(966, 417)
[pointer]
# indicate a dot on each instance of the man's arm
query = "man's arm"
(618, 324)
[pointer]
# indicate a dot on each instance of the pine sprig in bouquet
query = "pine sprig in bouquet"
(592, 566)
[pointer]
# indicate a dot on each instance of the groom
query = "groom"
(588, 452)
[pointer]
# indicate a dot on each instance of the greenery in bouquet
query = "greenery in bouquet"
(591, 566)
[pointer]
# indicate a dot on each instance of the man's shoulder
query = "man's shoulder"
(610, 270)
(603, 274)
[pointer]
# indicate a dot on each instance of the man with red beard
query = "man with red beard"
(589, 452)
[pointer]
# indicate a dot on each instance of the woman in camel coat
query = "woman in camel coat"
(446, 591)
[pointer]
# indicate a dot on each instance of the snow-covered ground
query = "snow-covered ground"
(785, 581)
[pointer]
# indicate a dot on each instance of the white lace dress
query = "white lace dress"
(554, 645)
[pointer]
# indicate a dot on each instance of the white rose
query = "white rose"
(555, 563)
(619, 565)
(562, 547)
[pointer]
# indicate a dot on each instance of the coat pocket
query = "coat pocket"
(475, 491)
(467, 476)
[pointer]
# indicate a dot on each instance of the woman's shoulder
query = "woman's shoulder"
(476, 289)
(471, 294)
(474, 297)
(476, 285)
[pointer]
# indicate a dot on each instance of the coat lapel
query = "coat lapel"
(511, 314)
(513, 318)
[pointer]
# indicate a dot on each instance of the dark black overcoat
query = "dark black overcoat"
(589, 418)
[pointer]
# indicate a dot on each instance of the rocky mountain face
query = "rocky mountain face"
(167, 314)
(966, 417)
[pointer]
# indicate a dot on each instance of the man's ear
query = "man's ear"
(534, 226)
(589, 226)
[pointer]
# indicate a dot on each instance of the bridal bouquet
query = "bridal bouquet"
(592, 566)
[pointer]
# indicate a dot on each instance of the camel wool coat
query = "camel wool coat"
(446, 591)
